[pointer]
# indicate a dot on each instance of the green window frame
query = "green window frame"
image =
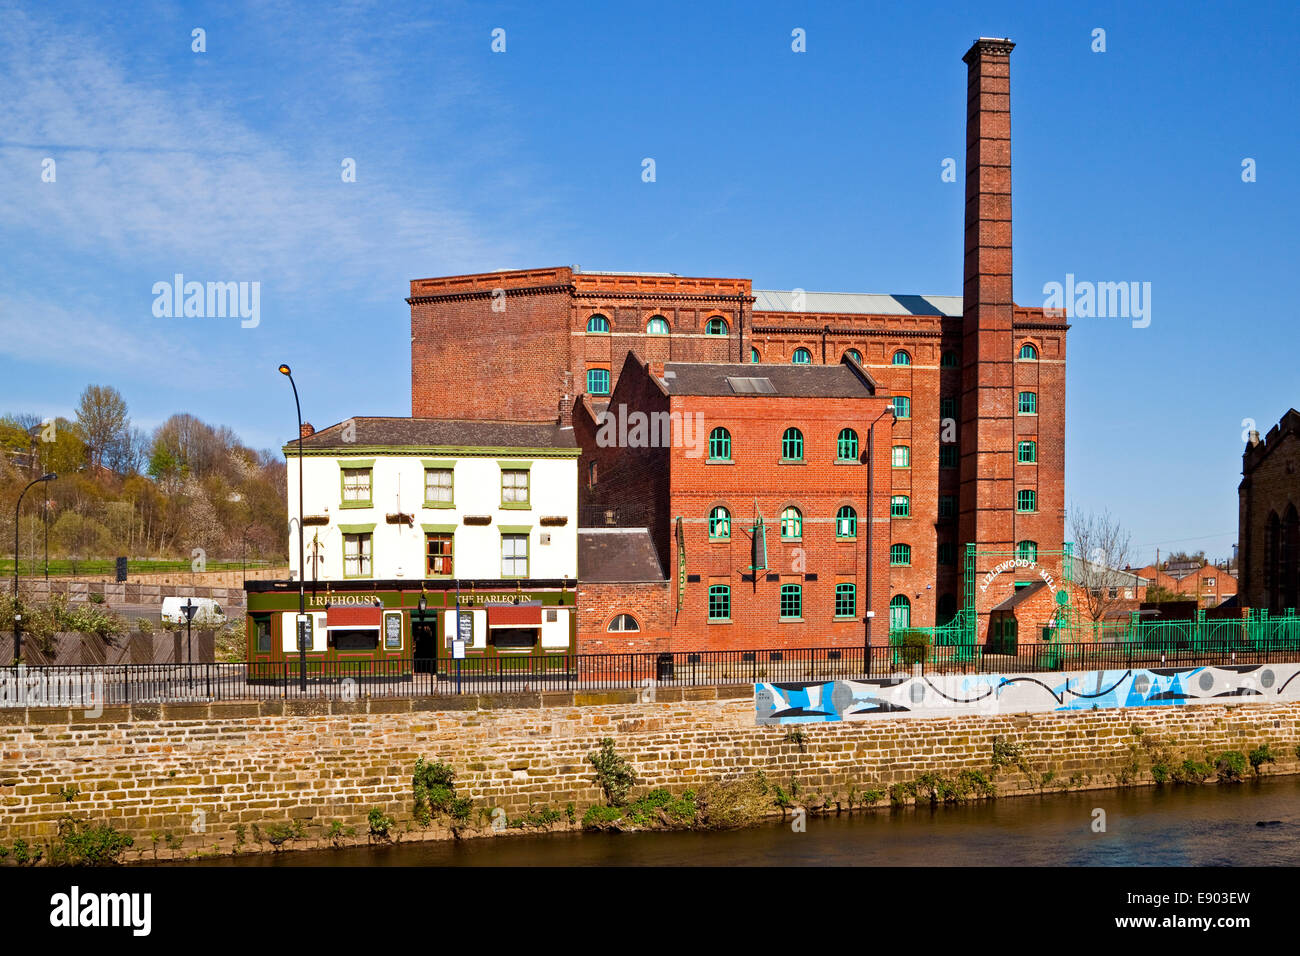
(902, 407)
(901, 358)
(515, 489)
(754, 357)
(900, 612)
(262, 632)
(791, 602)
(857, 356)
(948, 456)
(597, 324)
(792, 445)
(791, 524)
(901, 456)
(1028, 353)
(846, 445)
(657, 325)
(597, 381)
(1026, 500)
(1027, 550)
(846, 523)
(900, 555)
(715, 326)
(846, 600)
(719, 602)
(900, 506)
(514, 553)
(440, 553)
(357, 483)
(1027, 403)
(439, 484)
(948, 359)
(719, 444)
(358, 551)
(947, 506)
(946, 553)
(1027, 452)
(801, 356)
(948, 408)
(719, 524)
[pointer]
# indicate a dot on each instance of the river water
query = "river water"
(1210, 825)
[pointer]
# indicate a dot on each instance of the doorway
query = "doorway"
(424, 645)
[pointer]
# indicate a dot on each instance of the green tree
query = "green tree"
(101, 413)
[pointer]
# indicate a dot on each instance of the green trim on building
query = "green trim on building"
(439, 528)
(437, 465)
(515, 465)
(366, 464)
(357, 528)
(357, 463)
(515, 528)
(457, 451)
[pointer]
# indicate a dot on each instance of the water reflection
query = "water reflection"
(1172, 826)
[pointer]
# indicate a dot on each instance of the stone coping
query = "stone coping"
(243, 709)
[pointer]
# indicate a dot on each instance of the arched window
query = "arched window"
(1027, 452)
(754, 356)
(900, 506)
(900, 555)
(622, 623)
(902, 407)
(791, 601)
(801, 357)
(598, 323)
(791, 523)
(846, 600)
(900, 612)
(1027, 403)
(857, 356)
(719, 523)
(846, 446)
(657, 325)
(1027, 550)
(846, 522)
(719, 444)
(948, 359)
(901, 358)
(715, 326)
(792, 445)
(719, 602)
(1028, 353)
(597, 381)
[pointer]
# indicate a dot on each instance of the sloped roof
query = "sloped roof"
(792, 381)
(857, 303)
(437, 432)
(617, 555)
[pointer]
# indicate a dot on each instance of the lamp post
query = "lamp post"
(871, 521)
(302, 548)
(18, 617)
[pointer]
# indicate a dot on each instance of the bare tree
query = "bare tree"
(101, 414)
(1102, 548)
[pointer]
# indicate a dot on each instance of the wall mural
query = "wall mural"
(952, 695)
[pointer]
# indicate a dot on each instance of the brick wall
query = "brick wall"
(170, 768)
(650, 603)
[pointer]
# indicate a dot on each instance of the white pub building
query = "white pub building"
(409, 523)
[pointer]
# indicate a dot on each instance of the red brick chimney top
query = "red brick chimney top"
(306, 430)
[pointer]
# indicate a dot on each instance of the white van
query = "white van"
(208, 612)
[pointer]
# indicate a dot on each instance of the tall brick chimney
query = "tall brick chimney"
(305, 430)
(987, 515)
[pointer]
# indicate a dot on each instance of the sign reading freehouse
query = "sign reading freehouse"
(419, 530)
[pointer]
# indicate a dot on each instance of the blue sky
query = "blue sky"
(818, 170)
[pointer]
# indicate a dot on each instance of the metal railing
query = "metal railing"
(86, 686)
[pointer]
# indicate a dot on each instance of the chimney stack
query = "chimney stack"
(305, 430)
(987, 515)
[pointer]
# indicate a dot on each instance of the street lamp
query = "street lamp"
(302, 549)
(18, 617)
(871, 504)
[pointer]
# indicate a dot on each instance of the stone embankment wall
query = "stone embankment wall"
(202, 773)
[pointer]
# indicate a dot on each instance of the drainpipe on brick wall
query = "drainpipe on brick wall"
(871, 524)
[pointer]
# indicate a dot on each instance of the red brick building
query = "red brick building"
(979, 382)
(766, 495)
(1269, 531)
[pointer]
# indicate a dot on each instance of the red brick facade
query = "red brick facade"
(1269, 532)
(516, 345)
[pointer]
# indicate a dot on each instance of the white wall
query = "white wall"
(398, 485)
